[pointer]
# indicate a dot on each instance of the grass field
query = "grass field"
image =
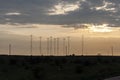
(58, 67)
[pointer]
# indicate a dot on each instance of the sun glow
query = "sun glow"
(100, 28)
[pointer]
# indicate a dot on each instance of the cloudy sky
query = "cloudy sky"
(97, 20)
(60, 11)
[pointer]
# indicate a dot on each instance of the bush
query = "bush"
(38, 73)
(79, 69)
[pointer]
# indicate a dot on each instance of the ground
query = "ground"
(58, 67)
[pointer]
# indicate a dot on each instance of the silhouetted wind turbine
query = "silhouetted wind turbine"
(40, 46)
(9, 49)
(54, 45)
(57, 46)
(48, 46)
(64, 44)
(82, 45)
(31, 44)
(112, 50)
(68, 49)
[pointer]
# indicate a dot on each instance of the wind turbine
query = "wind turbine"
(54, 46)
(40, 46)
(112, 50)
(64, 46)
(9, 49)
(57, 46)
(48, 46)
(51, 45)
(82, 45)
(68, 49)
(31, 45)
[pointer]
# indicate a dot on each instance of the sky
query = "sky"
(97, 20)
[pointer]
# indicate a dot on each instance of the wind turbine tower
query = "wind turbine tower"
(82, 45)
(40, 46)
(31, 45)
(112, 50)
(9, 49)
(68, 49)
(57, 46)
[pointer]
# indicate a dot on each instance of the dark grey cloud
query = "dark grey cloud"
(29, 27)
(36, 11)
(76, 26)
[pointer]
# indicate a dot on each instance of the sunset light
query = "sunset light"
(59, 39)
(101, 28)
